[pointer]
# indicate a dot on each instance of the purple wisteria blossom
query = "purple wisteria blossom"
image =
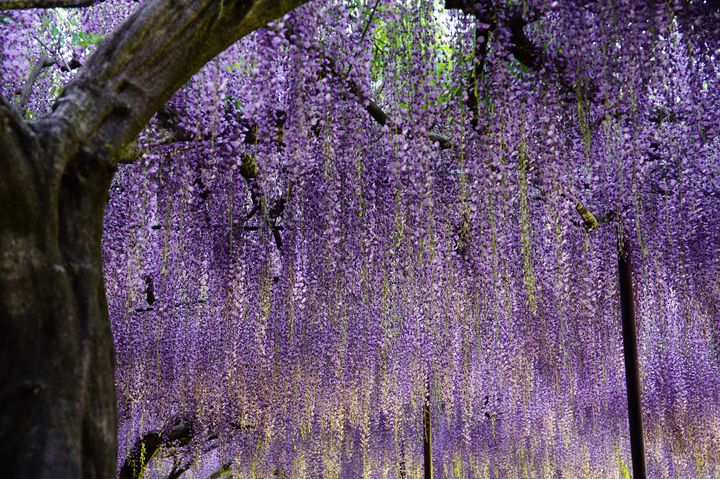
(373, 203)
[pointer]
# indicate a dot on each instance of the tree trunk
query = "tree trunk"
(57, 399)
(56, 351)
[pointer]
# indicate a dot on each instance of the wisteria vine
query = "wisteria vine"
(374, 202)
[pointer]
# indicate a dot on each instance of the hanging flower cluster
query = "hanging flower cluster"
(374, 202)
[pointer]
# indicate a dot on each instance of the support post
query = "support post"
(632, 368)
(427, 439)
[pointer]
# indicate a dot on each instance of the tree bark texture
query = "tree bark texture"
(57, 398)
(56, 349)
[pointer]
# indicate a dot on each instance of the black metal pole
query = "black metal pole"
(427, 439)
(632, 367)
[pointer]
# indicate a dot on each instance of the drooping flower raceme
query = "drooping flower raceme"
(370, 203)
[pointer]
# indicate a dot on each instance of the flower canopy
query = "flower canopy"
(371, 204)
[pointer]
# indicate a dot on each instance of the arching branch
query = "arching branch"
(43, 63)
(179, 431)
(136, 69)
(37, 69)
(353, 89)
(520, 45)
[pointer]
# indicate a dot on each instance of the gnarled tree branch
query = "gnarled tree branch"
(179, 431)
(520, 46)
(42, 63)
(136, 69)
(376, 112)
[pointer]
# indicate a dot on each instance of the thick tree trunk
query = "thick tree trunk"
(57, 400)
(56, 350)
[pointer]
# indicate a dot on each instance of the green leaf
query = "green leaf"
(85, 39)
